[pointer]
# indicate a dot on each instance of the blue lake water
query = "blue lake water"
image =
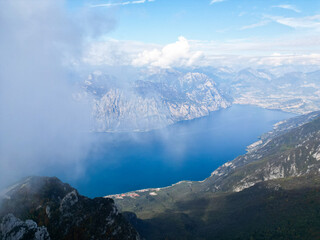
(188, 150)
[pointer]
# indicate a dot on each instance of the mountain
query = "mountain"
(46, 206)
(153, 100)
(271, 192)
(291, 89)
(295, 92)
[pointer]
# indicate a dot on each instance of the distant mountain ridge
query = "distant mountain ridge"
(160, 97)
(293, 91)
(152, 102)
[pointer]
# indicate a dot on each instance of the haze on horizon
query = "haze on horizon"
(163, 33)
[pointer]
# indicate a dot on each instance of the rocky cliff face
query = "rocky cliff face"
(291, 150)
(153, 101)
(60, 211)
(13, 228)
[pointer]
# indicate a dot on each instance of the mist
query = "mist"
(42, 126)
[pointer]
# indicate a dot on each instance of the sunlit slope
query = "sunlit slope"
(286, 208)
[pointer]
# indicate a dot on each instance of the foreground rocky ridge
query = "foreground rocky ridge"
(13, 228)
(286, 158)
(59, 211)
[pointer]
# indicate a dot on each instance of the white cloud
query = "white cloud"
(36, 91)
(174, 54)
(277, 59)
(300, 49)
(302, 22)
(121, 3)
(288, 7)
(255, 25)
(216, 1)
(114, 52)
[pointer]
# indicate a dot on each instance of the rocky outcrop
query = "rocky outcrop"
(12, 228)
(61, 210)
(291, 150)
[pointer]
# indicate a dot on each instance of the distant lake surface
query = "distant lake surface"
(188, 150)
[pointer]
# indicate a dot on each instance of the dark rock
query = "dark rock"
(12, 228)
(64, 212)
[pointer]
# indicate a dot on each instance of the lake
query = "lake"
(188, 150)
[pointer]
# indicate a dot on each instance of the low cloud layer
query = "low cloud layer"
(216, 1)
(309, 22)
(113, 4)
(41, 124)
(288, 7)
(190, 53)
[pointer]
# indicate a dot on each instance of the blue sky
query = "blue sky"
(219, 27)
(162, 21)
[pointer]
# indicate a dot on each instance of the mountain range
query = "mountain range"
(152, 102)
(160, 97)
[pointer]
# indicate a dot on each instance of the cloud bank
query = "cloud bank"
(174, 54)
(255, 25)
(194, 53)
(288, 7)
(121, 3)
(42, 126)
(309, 22)
(216, 1)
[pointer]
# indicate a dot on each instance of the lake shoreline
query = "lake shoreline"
(189, 149)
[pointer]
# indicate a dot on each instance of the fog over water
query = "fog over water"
(188, 150)
(41, 124)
